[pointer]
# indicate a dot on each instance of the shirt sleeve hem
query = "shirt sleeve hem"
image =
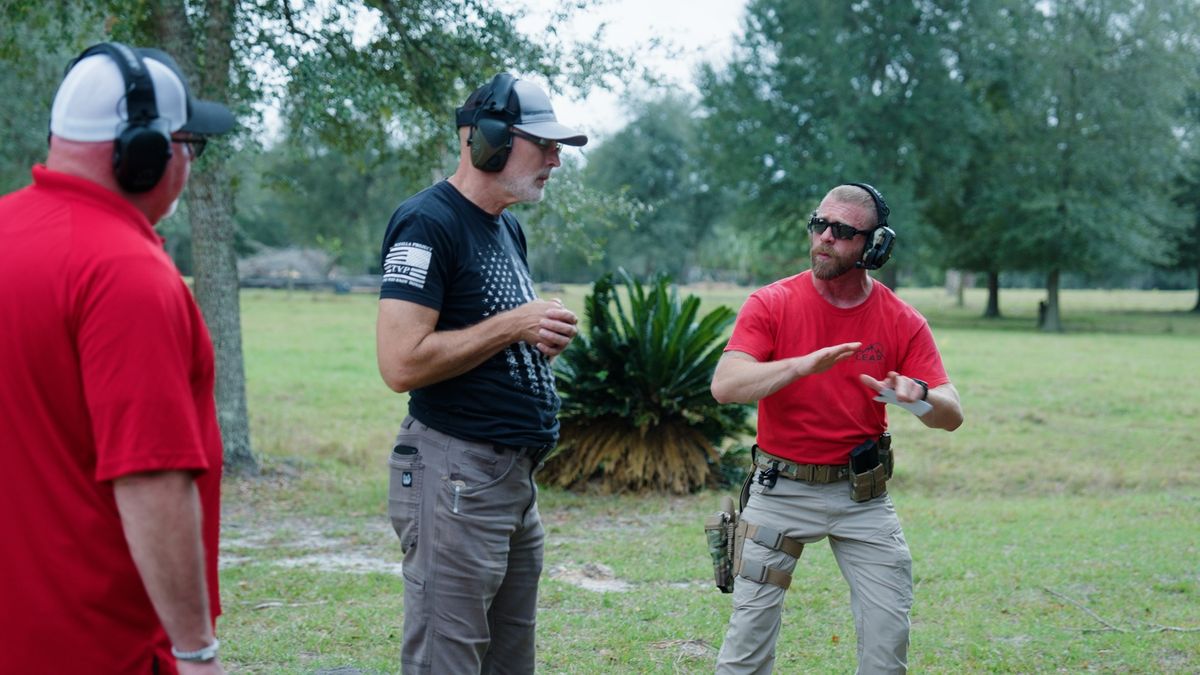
(113, 470)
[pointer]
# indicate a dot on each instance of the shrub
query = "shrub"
(637, 412)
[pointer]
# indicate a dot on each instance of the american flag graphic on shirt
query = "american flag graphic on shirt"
(407, 263)
(506, 285)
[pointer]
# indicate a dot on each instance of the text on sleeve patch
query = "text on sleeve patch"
(407, 263)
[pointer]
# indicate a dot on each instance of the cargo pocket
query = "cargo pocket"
(404, 494)
(481, 481)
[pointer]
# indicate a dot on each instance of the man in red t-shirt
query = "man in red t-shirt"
(109, 445)
(821, 352)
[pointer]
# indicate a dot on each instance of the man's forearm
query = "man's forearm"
(947, 410)
(739, 380)
(161, 515)
(444, 354)
(412, 353)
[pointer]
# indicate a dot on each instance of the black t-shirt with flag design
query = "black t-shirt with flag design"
(444, 252)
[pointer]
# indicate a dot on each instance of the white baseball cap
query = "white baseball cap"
(91, 101)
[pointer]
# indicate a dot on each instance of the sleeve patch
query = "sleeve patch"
(407, 263)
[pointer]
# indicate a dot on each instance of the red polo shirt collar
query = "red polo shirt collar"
(82, 189)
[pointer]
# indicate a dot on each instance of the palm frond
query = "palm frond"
(637, 413)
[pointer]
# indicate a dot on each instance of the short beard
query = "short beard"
(524, 192)
(829, 269)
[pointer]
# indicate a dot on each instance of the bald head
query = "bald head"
(855, 196)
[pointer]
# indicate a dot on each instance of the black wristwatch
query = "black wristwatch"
(924, 387)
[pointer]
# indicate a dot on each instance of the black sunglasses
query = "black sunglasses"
(544, 144)
(818, 225)
(196, 144)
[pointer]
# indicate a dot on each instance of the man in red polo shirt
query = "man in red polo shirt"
(109, 445)
(821, 352)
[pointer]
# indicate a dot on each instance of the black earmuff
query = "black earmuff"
(491, 139)
(882, 238)
(142, 148)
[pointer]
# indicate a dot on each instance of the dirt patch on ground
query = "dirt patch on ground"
(352, 562)
(589, 576)
(359, 547)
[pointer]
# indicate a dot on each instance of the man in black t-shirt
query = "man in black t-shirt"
(461, 328)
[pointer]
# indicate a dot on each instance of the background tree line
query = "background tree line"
(1034, 139)
(1049, 143)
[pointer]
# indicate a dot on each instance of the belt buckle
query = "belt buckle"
(769, 476)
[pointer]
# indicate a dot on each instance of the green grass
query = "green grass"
(1057, 530)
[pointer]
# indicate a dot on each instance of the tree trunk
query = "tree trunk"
(1052, 322)
(1197, 307)
(955, 285)
(992, 311)
(217, 292)
(210, 211)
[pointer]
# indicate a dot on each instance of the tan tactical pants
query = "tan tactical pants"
(870, 549)
(468, 523)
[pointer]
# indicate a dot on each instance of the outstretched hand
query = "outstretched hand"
(824, 359)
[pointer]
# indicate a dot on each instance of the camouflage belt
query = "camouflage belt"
(812, 473)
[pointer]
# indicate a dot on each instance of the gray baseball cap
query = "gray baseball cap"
(528, 109)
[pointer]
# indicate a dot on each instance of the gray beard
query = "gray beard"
(523, 192)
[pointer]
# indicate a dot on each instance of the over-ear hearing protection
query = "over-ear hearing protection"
(882, 238)
(142, 148)
(490, 139)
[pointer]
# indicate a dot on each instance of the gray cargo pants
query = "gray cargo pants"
(468, 523)
(870, 549)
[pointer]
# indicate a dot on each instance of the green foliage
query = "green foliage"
(1007, 135)
(656, 161)
(569, 231)
(1184, 236)
(37, 39)
(389, 74)
(637, 412)
(305, 193)
(821, 93)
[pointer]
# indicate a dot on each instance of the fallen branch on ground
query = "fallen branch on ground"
(1153, 627)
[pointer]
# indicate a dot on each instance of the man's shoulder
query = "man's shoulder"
(895, 306)
(433, 200)
(430, 211)
(782, 289)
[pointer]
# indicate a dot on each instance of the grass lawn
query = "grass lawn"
(1058, 530)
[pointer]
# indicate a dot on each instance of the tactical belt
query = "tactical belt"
(524, 449)
(535, 452)
(812, 473)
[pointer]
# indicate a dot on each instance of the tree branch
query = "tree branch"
(1089, 612)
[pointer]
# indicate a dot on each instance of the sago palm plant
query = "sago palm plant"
(637, 412)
